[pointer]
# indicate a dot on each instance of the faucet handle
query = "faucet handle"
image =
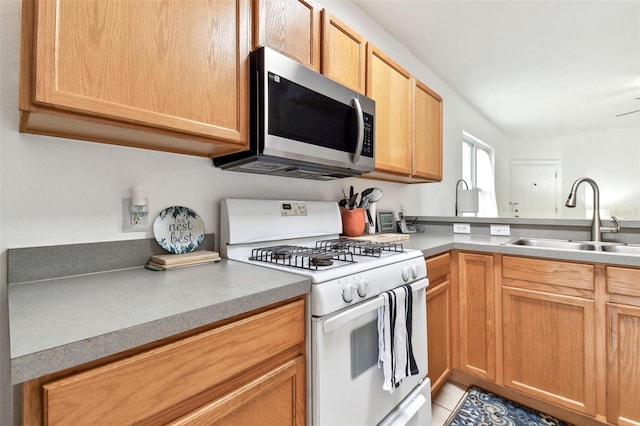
(615, 228)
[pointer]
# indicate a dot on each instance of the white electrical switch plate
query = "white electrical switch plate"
(461, 228)
(500, 230)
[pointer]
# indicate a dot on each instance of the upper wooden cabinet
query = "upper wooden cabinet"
(344, 53)
(427, 133)
(390, 86)
(170, 76)
(408, 123)
(290, 26)
(408, 113)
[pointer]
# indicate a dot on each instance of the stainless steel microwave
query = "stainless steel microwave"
(303, 124)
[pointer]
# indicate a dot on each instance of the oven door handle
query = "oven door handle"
(337, 321)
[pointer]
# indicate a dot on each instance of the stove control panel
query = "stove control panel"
(334, 295)
(293, 208)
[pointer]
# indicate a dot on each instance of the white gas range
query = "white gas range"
(347, 277)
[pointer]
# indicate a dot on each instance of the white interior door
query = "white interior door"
(534, 188)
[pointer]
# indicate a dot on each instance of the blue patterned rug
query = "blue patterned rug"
(482, 408)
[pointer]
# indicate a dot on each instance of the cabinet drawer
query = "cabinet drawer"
(276, 398)
(549, 272)
(623, 281)
(137, 387)
(438, 267)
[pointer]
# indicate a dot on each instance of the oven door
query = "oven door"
(346, 380)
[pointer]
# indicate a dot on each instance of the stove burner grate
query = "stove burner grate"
(300, 257)
(360, 247)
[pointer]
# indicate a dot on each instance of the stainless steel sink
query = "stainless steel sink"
(553, 244)
(608, 247)
(622, 248)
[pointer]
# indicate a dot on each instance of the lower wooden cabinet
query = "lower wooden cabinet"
(439, 319)
(549, 347)
(477, 329)
(248, 369)
(548, 332)
(623, 346)
(558, 336)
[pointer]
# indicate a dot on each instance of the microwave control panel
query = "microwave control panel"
(367, 145)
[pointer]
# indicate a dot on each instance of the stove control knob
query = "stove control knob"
(406, 273)
(347, 294)
(363, 288)
(414, 270)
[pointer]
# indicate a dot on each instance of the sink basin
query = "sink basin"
(608, 247)
(554, 244)
(622, 248)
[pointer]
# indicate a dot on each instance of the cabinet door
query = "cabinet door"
(343, 53)
(477, 315)
(165, 64)
(290, 26)
(427, 133)
(390, 86)
(438, 320)
(623, 367)
(276, 398)
(549, 347)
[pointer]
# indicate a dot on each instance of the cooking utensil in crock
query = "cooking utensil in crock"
(373, 195)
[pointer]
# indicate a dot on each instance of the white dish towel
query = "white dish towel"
(395, 351)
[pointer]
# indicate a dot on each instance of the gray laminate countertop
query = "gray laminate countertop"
(64, 322)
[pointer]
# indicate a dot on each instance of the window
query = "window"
(478, 171)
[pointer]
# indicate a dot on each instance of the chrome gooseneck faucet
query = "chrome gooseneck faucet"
(596, 228)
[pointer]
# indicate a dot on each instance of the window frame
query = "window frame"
(476, 144)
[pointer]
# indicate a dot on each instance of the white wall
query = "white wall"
(58, 191)
(609, 157)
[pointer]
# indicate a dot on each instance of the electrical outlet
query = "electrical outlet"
(500, 230)
(461, 228)
(131, 222)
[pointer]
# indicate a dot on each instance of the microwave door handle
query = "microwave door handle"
(356, 104)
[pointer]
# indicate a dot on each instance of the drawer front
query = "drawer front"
(438, 267)
(129, 390)
(623, 281)
(550, 272)
(276, 398)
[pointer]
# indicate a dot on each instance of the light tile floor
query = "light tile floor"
(445, 401)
